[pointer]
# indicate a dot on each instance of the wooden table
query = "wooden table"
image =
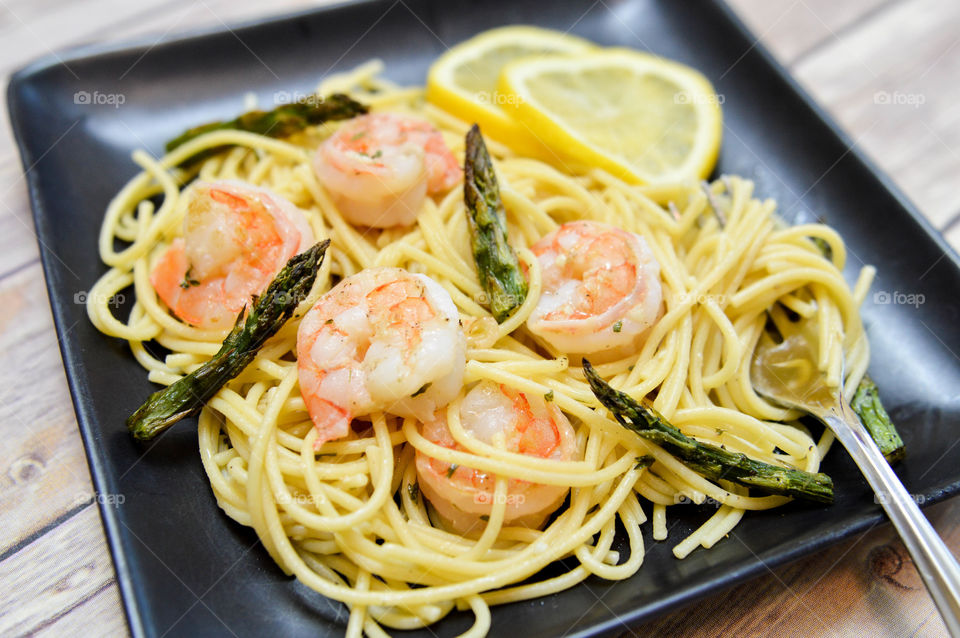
(887, 70)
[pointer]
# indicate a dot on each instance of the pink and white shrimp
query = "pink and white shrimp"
(514, 421)
(236, 237)
(385, 340)
(601, 289)
(379, 168)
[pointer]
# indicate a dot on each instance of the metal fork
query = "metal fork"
(786, 373)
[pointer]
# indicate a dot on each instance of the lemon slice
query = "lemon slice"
(463, 81)
(640, 117)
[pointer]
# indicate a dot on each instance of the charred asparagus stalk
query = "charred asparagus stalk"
(866, 403)
(709, 460)
(282, 121)
(497, 263)
(269, 312)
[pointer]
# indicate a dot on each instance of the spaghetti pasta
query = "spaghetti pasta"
(347, 518)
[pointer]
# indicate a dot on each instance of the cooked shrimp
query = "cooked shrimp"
(601, 288)
(511, 420)
(379, 168)
(384, 340)
(236, 237)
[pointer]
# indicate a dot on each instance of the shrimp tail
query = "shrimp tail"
(711, 461)
(497, 263)
(267, 315)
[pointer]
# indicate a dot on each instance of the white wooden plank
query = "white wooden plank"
(791, 27)
(18, 243)
(865, 587)
(99, 615)
(27, 32)
(44, 471)
(953, 237)
(892, 85)
(55, 573)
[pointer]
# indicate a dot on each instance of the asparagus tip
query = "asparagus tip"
(253, 327)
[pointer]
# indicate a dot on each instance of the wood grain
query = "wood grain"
(51, 577)
(54, 567)
(44, 469)
(847, 590)
(77, 621)
(32, 29)
(791, 28)
(897, 94)
(953, 235)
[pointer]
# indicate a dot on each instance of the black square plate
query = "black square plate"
(183, 567)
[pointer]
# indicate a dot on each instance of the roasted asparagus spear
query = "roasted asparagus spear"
(866, 403)
(709, 460)
(281, 121)
(497, 263)
(269, 312)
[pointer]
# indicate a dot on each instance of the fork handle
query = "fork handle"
(937, 566)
